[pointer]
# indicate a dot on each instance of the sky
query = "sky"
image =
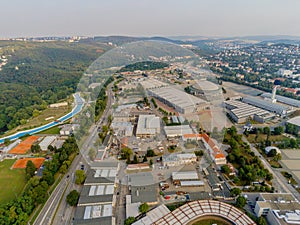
(219, 18)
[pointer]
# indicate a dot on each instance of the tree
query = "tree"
(144, 208)
(135, 160)
(240, 202)
(235, 191)
(272, 153)
(92, 153)
(35, 148)
(225, 169)
(125, 153)
(72, 198)
(130, 220)
(145, 158)
(80, 177)
(151, 162)
(150, 153)
(30, 169)
(261, 221)
(199, 153)
(267, 130)
(278, 130)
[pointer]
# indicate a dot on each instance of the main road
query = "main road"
(279, 182)
(61, 212)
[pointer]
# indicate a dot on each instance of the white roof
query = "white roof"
(177, 97)
(174, 131)
(185, 175)
(295, 121)
(148, 124)
(46, 142)
(192, 183)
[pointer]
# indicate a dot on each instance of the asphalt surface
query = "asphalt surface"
(53, 212)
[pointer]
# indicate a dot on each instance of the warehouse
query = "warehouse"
(177, 131)
(148, 126)
(178, 99)
(282, 99)
(185, 176)
(240, 112)
(46, 142)
(178, 159)
(267, 105)
(206, 90)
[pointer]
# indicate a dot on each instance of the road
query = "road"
(65, 213)
(47, 213)
(279, 182)
(93, 132)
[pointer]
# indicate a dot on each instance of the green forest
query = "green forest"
(38, 74)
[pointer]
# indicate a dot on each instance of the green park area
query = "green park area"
(12, 181)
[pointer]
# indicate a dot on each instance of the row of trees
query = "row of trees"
(240, 155)
(36, 191)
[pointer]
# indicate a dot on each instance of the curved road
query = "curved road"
(78, 107)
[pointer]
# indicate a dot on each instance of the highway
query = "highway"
(64, 213)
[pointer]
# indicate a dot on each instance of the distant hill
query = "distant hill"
(38, 74)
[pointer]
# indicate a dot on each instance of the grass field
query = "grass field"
(12, 181)
(40, 120)
(52, 130)
(212, 220)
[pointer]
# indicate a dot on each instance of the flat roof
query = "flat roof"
(243, 110)
(285, 100)
(268, 105)
(206, 85)
(185, 175)
(148, 124)
(177, 96)
(141, 179)
(295, 121)
(172, 131)
(192, 183)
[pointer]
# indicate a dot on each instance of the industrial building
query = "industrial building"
(187, 179)
(66, 130)
(177, 131)
(279, 208)
(48, 140)
(142, 188)
(295, 121)
(282, 99)
(178, 99)
(267, 105)
(97, 198)
(240, 112)
(122, 128)
(206, 90)
(179, 159)
(148, 126)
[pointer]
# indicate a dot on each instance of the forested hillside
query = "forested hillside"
(38, 74)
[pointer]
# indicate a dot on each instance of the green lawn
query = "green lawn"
(12, 181)
(52, 130)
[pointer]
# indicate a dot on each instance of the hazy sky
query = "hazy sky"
(149, 17)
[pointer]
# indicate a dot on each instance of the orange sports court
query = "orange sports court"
(21, 163)
(24, 146)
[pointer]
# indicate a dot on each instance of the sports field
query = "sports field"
(12, 181)
(24, 146)
(21, 163)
